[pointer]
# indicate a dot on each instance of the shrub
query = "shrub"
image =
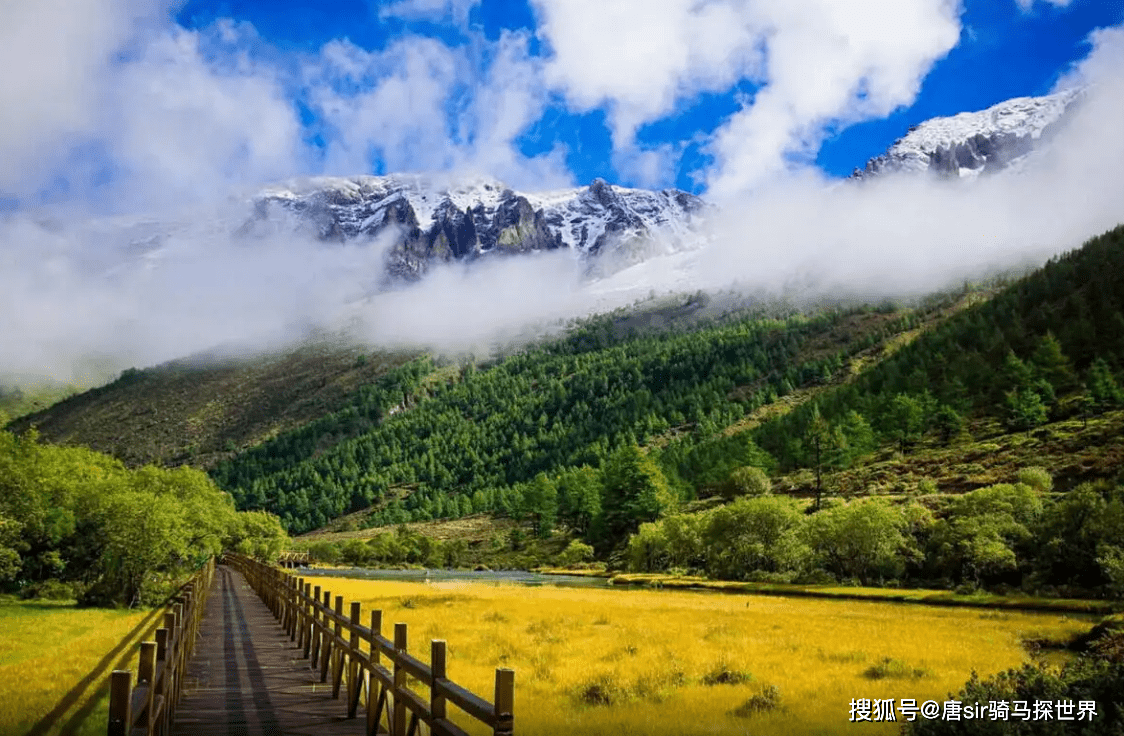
(53, 590)
(603, 689)
(324, 552)
(576, 552)
(767, 700)
(722, 674)
(893, 669)
(747, 481)
(1037, 478)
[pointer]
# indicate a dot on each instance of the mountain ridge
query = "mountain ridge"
(968, 144)
(442, 220)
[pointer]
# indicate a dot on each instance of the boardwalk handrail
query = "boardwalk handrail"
(149, 706)
(331, 641)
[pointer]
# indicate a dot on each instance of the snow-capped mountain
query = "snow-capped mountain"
(972, 143)
(466, 219)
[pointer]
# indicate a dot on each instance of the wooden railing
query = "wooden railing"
(293, 559)
(149, 706)
(355, 663)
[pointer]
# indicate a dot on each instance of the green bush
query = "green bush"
(1037, 478)
(767, 700)
(747, 481)
(576, 552)
(53, 590)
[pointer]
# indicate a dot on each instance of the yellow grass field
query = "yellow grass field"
(55, 661)
(595, 661)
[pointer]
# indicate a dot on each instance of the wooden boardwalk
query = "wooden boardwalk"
(247, 677)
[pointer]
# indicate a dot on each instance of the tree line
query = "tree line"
(75, 523)
(1009, 536)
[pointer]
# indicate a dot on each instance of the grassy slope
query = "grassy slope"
(1071, 450)
(199, 414)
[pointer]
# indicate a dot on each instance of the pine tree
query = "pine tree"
(634, 491)
(1102, 385)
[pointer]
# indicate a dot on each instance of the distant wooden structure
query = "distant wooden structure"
(293, 559)
(149, 706)
(351, 654)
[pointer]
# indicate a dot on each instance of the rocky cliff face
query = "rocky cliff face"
(973, 143)
(460, 221)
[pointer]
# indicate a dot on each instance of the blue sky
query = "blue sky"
(1004, 50)
(134, 105)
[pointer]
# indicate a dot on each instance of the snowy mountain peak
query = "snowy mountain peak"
(443, 219)
(972, 143)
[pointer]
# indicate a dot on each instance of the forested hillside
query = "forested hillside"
(1047, 347)
(202, 409)
(458, 439)
(1047, 350)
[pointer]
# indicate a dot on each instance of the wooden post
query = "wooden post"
(146, 676)
(298, 609)
(177, 611)
(162, 656)
(181, 658)
(161, 645)
(337, 652)
(326, 637)
(374, 698)
(376, 632)
(290, 607)
(120, 700)
(315, 628)
(398, 725)
(353, 664)
(308, 611)
(505, 702)
(437, 667)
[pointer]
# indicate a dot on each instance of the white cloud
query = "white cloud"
(815, 61)
(54, 54)
(183, 128)
(642, 57)
(117, 106)
(1027, 5)
(420, 105)
(431, 10)
(909, 234)
(388, 105)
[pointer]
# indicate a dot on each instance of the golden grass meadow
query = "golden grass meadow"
(55, 661)
(597, 661)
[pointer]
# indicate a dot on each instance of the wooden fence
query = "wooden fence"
(149, 706)
(355, 663)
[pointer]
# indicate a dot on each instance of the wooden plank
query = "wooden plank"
(446, 728)
(414, 702)
(469, 702)
(413, 666)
